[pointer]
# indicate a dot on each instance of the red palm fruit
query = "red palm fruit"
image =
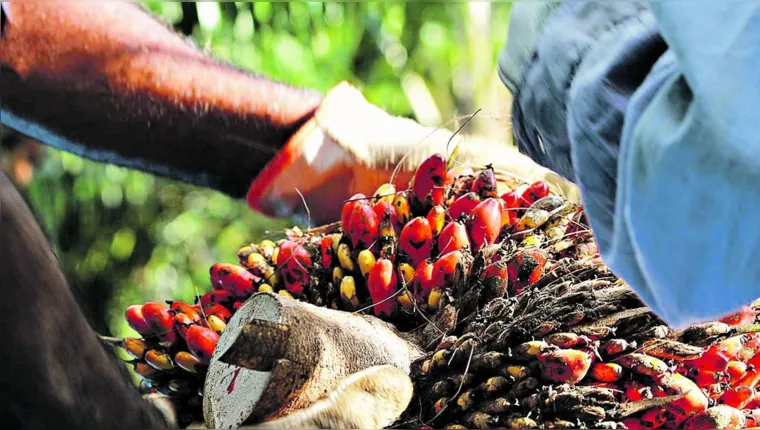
(485, 183)
(447, 270)
(233, 278)
(431, 173)
(485, 224)
(294, 262)
(525, 268)
(745, 316)
(159, 320)
(182, 307)
(752, 376)
(348, 208)
(381, 283)
(437, 218)
(607, 372)
(201, 342)
(634, 424)
(636, 391)
(735, 370)
(718, 355)
(134, 316)
(704, 378)
(182, 323)
(386, 211)
(754, 402)
(654, 418)
(206, 299)
(423, 280)
(363, 226)
(453, 237)
(223, 296)
(512, 200)
(415, 240)
(325, 248)
(718, 417)
(737, 396)
(497, 271)
(463, 205)
(437, 196)
(564, 366)
(535, 191)
(510, 210)
(237, 305)
(218, 310)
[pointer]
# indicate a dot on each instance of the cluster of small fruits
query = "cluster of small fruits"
(459, 240)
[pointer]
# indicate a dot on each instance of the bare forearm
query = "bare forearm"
(109, 82)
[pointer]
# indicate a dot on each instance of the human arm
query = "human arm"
(106, 80)
(109, 82)
(629, 102)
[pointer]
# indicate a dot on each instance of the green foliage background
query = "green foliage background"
(126, 237)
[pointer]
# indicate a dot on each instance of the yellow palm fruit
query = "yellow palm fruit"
(135, 347)
(366, 261)
(257, 263)
(215, 323)
(271, 276)
(403, 208)
(336, 237)
(533, 218)
(440, 405)
(530, 349)
(518, 372)
(337, 275)
(266, 288)
(532, 241)
(348, 292)
(406, 300)
(386, 192)
(495, 384)
(159, 360)
(344, 257)
(555, 233)
(145, 371)
(407, 274)
(434, 298)
(275, 253)
(187, 361)
(285, 293)
(466, 400)
(267, 247)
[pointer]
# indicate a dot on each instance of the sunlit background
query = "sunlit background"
(126, 237)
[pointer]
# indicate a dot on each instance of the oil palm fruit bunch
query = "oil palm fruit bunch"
(174, 346)
(523, 324)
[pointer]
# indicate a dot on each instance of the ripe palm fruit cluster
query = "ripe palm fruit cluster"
(397, 253)
(175, 346)
(577, 349)
(523, 324)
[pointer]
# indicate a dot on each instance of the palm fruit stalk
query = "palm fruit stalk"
(521, 323)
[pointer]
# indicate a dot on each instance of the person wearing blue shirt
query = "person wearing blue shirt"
(651, 108)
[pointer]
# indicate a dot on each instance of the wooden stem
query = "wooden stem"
(279, 356)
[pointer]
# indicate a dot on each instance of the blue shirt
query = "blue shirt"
(651, 109)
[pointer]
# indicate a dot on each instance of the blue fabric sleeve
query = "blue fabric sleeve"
(652, 113)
